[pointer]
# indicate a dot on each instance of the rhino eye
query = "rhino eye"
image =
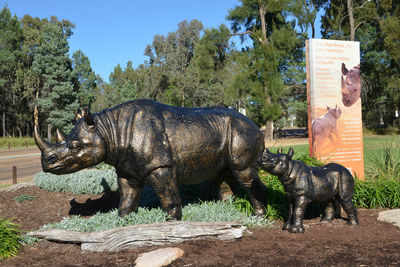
(52, 159)
(75, 144)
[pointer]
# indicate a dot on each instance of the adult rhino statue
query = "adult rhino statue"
(161, 146)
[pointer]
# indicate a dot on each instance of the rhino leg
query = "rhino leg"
(332, 211)
(349, 208)
(299, 209)
(129, 196)
(166, 187)
(289, 221)
(249, 180)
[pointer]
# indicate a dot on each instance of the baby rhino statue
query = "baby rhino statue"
(332, 184)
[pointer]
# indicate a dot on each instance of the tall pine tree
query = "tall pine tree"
(58, 97)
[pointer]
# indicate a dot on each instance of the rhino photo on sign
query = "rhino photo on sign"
(150, 143)
(351, 85)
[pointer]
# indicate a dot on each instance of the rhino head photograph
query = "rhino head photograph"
(351, 85)
(82, 148)
(162, 146)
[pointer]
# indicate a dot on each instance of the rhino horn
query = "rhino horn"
(43, 145)
(60, 136)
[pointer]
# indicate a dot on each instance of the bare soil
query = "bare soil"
(372, 243)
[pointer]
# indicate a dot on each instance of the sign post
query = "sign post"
(334, 103)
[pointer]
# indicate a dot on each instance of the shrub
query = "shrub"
(220, 211)
(109, 220)
(22, 198)
(104, 166)
(90, 181)
(384, 163)
(378, 193)
(9, 239)
(310, 161)
(205, 211)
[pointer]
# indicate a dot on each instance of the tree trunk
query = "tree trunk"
(19, 132)
(4, 124)
(49, 127)
(351, 19)
(269, 127)
(269, 132)
(134, 236)
(313, 30)
(262, 12)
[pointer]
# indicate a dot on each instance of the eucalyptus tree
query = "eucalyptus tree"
(10, 55)
(275, 43)
(208, 72)
(376, 25)
(168, 59)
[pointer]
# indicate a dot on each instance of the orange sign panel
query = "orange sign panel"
(334, 103)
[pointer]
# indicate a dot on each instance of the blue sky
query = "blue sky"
(113, 32)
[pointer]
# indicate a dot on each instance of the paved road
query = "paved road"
(26, 161)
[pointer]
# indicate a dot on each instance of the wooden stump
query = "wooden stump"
(134, 236)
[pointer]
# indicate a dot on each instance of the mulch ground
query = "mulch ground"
(372, 243)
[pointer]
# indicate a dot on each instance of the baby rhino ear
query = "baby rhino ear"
(85, 114)
(291, 152)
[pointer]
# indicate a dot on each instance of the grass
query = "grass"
(23, 198)
(9, 239)
(14, 142)
(380, 193)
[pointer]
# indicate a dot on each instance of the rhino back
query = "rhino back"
(206, 142)
(199, 143)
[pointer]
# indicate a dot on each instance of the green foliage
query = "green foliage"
(84, 78)
(90, 181)
(28, 240)
(58, 97)
(384, 163)
(22, 198)
(12, 142)
(378, 193)
(35, 68)
(220, 211)
(276, 197)
(9, 239)
(243, 205)
(310, 161)
(106, 221)
(206, 212)
(104, 166)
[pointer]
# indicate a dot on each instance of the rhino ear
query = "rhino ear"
(86, 115)
(79, 114)
(344, 69)
(89, 118)
(279, 151)
(291, 152)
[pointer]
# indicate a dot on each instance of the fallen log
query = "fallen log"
(134, 236)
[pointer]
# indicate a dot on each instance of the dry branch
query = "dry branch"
(144, 235)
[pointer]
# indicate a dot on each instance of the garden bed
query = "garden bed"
(372, 243)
